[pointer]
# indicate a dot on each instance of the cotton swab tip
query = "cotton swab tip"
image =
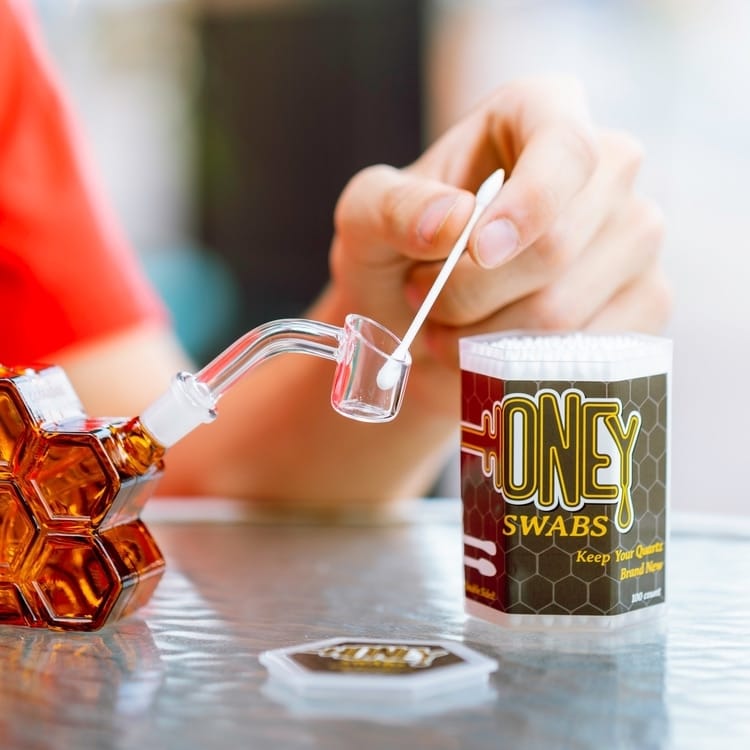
(388, 374)
(490, 188)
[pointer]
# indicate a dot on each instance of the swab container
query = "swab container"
(564, 478)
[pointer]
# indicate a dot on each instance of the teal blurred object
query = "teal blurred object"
(201, 295)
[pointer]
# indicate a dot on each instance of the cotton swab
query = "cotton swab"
(388, 373)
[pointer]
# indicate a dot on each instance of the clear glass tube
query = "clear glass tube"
(264, 342)
(361, 350)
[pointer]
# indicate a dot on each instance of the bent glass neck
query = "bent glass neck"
(264, 342)
(361, 350)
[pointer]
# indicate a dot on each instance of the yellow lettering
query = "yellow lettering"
(643, 550)
(533, 524)
(519, 466)
(558, 450)
(599, 526)
(482, 591)
(626, 573)
(559, 465)
(625, 442)
(593, 413)
(557, 525)
(581, 525)
(600, 558)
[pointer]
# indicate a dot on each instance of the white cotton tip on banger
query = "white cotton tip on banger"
(523, 355)
(389, 374)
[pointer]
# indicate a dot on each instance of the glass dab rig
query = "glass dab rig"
(74, 552)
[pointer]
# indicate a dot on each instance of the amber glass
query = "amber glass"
(11, 428)
(74, 554)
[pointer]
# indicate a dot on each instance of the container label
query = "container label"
(375, 658)
(564, 493)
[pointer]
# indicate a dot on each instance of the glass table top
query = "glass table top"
(184, 672)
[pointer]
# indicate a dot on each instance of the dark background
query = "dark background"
(292, 102)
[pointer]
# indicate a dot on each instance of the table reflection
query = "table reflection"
(184, 673)
(82, 684)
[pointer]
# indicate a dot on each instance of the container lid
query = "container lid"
(525, 355)
(377, 669)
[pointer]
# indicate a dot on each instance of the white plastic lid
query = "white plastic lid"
(377, 669)
(523, 355)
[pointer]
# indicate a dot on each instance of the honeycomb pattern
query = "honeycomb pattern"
(543, 574)
(74, 554)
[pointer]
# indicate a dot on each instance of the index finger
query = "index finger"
(541, 132)
(556, 156)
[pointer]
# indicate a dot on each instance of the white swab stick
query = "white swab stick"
(487, 191)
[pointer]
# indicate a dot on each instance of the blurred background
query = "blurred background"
(224, 131)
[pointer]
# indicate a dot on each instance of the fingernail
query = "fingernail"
(497, 242)
(434, 217)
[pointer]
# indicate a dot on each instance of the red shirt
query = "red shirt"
(67, 274)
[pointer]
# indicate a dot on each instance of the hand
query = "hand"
(567, 244)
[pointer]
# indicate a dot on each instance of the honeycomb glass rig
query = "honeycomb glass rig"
(74, 552)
